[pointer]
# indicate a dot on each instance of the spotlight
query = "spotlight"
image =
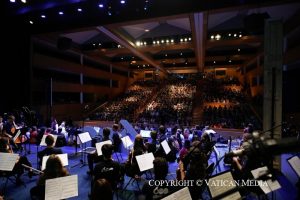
(12, 1)
(43, 16)
(185, 39)
(23, 1)
(212, 37)
(181, 40)
(218, 37)
(190, 39)
(157, 41)
(145, 43)
(146, 30)
(31, 22)
(79, 9)
(172, 40)
(122, 2)
(240, 35)
(60, 13)
(167, 41)
(229, 34)
(235, 35)
(100, 5)
(137, 43)
(154, 42)
(162, 41)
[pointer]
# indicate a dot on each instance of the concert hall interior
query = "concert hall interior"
(150, 99)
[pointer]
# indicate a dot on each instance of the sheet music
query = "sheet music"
(234, 196)
(17, 135)
(165, 146)
(145, 134)
(127, 142)
(256, 173)
(145, 161)
(215, 189)
(43, 141)
(270, 186)
(8, 161)
(183, 194)
(84, 137)
(62, 157)
(61, 188)
(99, 146)
(295, 164)
(97, 129)
(217, 152)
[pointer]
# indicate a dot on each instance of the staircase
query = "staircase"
(197, 112)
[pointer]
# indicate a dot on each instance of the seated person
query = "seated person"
(54, 169)
(102, 190)
(50, 149)
(107, 168)
(131, 166)
(153, 146)
(185, 149)
(151, 191)
(116, 138)
(94, 158)
(18, 168)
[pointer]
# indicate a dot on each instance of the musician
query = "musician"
(10, 129)
(50, 149)
(116, 138)
(18, 168)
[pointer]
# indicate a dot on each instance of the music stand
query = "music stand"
(83, 139)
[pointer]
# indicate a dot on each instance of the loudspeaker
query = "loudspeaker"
(255, 22)
(64, 43)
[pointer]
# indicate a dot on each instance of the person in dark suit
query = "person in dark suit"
(49, 150)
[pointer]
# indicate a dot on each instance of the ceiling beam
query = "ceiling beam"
(245, 40)
(120, 39)
(198, 23)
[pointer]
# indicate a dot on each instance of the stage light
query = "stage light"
(235, 35)
(229, 34)
(167, 41)
(12, 1)
(43, 16)
(138, 43)
(240, 35)
(100, 5)
(162, 41)
(122, 2)
(23, 1)
(145, 43)
(60, 13)
(31, 22)
(185, 39)
(172, 40)
(157, 41)
(79, 9)
(181, 40)
(212, 37)
(154, 42)
(218, 37)
(190, 39)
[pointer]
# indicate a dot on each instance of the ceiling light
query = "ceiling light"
(218, 37)
(145, 43)
(31, 22)
(43, 16)
(157, 42)
(190, 39)
(167, 41)
(137, 43)
(173, 63)
(122, 58)
(162, 41)
(186, 63)
(154, 42)
(166, 55)
(235, 35)
(181, 54)
(122, 2)
(109, 13)
(239, 49)
(212, 37)
(144, 66)
(185, 39)
(79, 9)
(119, 46)
(12, 1)
(60, 13)
(181, 40)
(146, 30)
(229, 34)
(240, 35)
(23, 1)
(229, 61)
(100, 5)
(94, 44)
(172, 40)
(214, 62)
